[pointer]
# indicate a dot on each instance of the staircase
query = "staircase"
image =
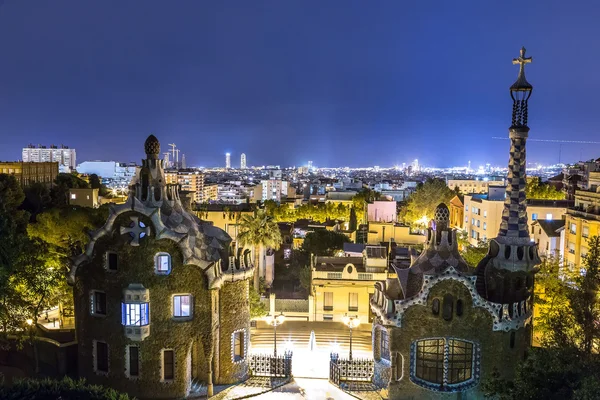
(295, 335)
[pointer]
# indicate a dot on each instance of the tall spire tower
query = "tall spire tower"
(505, 275)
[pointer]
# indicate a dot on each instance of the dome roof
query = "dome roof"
(152, 145)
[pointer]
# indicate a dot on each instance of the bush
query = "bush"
(65, 389)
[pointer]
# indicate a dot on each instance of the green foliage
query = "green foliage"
(360, 203)
(548, 374)
(471, 254)
(536, 189)
(568, 367)
(65, 389)
(37, 198)
(305, 277)
(353, 221)
(96, 183)
(423, 201)
(316, 212)
(324, 243)
(257, 308)
(259, 230)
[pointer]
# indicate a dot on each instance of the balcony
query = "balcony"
(571, 251)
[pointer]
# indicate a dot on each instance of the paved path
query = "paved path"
(310, 389)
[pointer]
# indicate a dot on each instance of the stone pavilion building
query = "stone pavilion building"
(160, 300)
(442, 327)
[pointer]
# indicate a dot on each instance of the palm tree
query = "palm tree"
(260, 232)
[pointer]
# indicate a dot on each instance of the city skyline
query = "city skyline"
(345, 95)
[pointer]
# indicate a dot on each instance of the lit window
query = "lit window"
(73, 196)
(239, 345)
(443, 363)
(534, 217)
(549, 217)
(98, 303)
(182, 305)
(135, 314)
(485, 214)
(162, 263)
(484, 226)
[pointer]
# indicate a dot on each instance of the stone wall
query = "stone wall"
(475, 325)
(234, 315)
(191, 339)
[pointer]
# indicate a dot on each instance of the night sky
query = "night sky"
(342, 83)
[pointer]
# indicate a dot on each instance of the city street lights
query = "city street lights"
(275, 321)
(351, 322)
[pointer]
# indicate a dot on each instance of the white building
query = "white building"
(272, 189)
(110, 170)
(63, 155)
(227, 160)
(243, 161)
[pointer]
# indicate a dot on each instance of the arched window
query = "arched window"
(444, 363)
(435, 307)
(448, 307)
(162, 263)
(459, 308)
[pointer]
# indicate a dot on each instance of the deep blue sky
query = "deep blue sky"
(342, 82)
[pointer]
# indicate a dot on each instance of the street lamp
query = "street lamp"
(275, 321)
(351, 322)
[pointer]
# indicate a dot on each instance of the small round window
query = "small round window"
(350, 269)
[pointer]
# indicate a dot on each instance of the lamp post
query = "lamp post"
(275, 321)
(351, 322)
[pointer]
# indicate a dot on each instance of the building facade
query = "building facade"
(382, 232)
(63, 155)
(582, 222)
(457, 212)
(189, 180)
(160, 299)
(27, 173)
(442, 327)
(483, 213)
(468, 186)
(84, 198)
(243, 161)
(344, 285)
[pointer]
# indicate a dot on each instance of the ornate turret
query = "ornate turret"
(505, 275)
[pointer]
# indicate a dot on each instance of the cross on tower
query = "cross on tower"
(137, 230)
(522, 60)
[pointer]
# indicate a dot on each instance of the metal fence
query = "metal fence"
(268, 365)
(343, 370)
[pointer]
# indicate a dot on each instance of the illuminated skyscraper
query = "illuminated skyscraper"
(243, 161)
(227, 160)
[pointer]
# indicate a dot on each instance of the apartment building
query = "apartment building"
(189, 181)
(483, 213)
(63, 155)
(27, 173)
(582, 222)
(345, 285)
(469, 186)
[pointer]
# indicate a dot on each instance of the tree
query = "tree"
(421, 204)
(260, 232)
(353, 222)
(257, 307)
(471, 254)
(305, 277)
(536, 189)
(568, 366)
(324, 243)
(360, 202)
(37, 199)
(67, 389)
(96, 183)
